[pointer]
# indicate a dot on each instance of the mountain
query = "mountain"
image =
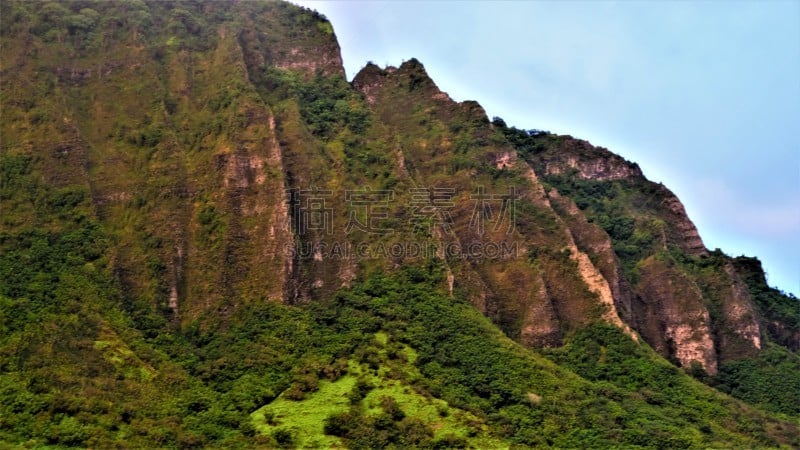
(211, 238)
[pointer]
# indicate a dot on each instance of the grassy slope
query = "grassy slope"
(305, 419)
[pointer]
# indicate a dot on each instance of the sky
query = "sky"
(705, 96)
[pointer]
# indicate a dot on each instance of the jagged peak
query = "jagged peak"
(369, 79)
(474, 108)
(368, 74)
(413, 74)
(413, 68)
(417, 77)
(413, 64)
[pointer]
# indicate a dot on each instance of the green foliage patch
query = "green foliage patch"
(770, 381)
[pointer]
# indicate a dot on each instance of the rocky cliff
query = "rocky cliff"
(228, 162)
(210, 155)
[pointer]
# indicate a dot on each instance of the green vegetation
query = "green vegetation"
(145, 301)
(434, 360)
(371, 408)
(781, 312)
(769, 381)
(328, 104)
(474, 368)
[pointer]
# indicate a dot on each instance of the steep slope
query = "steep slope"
(688, 303)
(496, 201)
(201, 215)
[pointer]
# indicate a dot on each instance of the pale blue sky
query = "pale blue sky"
(705, 96)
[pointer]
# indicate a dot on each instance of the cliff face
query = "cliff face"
(230, 162)
(688, 304)
(550, 284)
(683, 323)
(581, 159)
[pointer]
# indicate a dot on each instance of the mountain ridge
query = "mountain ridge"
(166, 166)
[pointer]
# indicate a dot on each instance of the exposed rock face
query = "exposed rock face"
(574, 158)
(312, 50)
(164, 184)
(600, 169)
(601, 272)
(743, 336)
(771, 320)
(689, 236)
(370, 79)
(533, 308)
(585, 161)
(210, 157)
(676, 322)
(310, 62)
(707, 316)
(540, 327)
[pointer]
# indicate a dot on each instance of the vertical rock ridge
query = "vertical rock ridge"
(683, 326)
(587, 270)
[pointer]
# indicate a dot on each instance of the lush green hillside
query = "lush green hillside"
(393, 360)
(160, 167)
